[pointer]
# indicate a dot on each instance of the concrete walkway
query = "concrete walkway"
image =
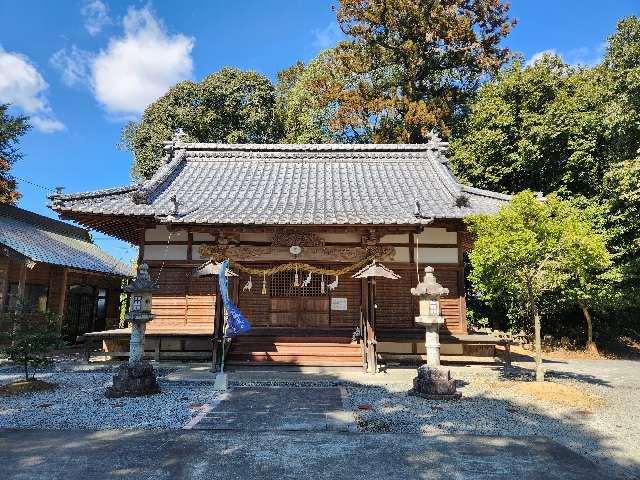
(104, 455)
(278, 409)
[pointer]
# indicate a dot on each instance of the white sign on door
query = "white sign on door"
(339, 303)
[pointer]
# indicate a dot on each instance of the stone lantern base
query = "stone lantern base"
(134, 380)
(434, 383)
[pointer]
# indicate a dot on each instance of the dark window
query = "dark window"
(101, 309)
(281, 285)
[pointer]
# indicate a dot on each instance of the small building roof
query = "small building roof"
(42, 239)
(277, 184)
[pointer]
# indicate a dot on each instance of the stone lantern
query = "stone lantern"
(137, 376)
(432, 382)
(429, 292)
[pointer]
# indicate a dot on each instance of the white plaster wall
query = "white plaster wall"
(256, 237)
(400, 348)
(445, 348)
(341, 237)
(195, 253)
(437, 255)
(157, 252)
(160, 233)
(397, 238)
(401, 255)
(203, 237)
(438, 235)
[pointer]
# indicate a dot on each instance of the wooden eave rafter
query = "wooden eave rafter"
(128, 227)
(124, 227)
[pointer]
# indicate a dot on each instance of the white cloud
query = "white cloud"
(585, 56)
(328, 36)
(140, 66)
(73, 65)
(96, 16)
(536, 57)
(47, 125)
(24, 87)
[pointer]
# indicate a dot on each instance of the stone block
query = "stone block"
(434, 383)
(134, 381)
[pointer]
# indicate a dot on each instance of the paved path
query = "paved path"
(281, 408)
(159, 455)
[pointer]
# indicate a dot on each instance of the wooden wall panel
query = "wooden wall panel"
(200, 302)
(170, 302)
(396, 305)
(351, 289)
(252, 303)
(450, 304)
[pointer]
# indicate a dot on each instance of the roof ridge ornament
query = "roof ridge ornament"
(435, 141)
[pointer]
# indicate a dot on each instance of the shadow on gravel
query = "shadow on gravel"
(477, 437)
(387, 409)
(516, 372)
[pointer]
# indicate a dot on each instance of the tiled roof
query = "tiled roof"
(274, 184)
(47, 240)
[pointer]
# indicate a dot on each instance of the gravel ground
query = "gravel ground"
(80, 403)
(609, 434)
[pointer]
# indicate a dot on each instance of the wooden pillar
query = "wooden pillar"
(4, 282)
(62, 297)
(22, 284)
(461, 287)
(372, 356)
(364, 322)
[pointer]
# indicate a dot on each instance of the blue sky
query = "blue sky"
(81, 68)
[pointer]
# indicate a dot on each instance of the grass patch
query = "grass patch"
(20, 387)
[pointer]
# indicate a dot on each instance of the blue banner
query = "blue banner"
(236, 322)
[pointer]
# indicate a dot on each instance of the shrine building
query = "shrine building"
(297, 222)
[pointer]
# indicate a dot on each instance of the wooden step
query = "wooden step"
(295, 350)
(294, 360)
(305, 363)
(297, 353)
(293, 339)
(282, 348)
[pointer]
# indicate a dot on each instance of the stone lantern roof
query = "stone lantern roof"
(142, 283)
(429, 285)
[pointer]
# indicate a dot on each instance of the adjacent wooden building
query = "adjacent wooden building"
(49, 265)
(340, 204)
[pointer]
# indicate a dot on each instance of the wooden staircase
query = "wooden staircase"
(304, 351)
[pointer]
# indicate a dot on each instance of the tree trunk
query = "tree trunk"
(591, 345)
(26, 369)
(538, 340)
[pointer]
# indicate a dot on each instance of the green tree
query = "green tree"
(582, 274)
(304, 115)
(11, 129)
(532, 246)
(535, 127)
(408, 66)
(228, 106)
(29, 338)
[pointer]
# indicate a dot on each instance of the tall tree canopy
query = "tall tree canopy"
(573, 130)
(411, 65)
(229, 106)
(11, 129)
(537, 127)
